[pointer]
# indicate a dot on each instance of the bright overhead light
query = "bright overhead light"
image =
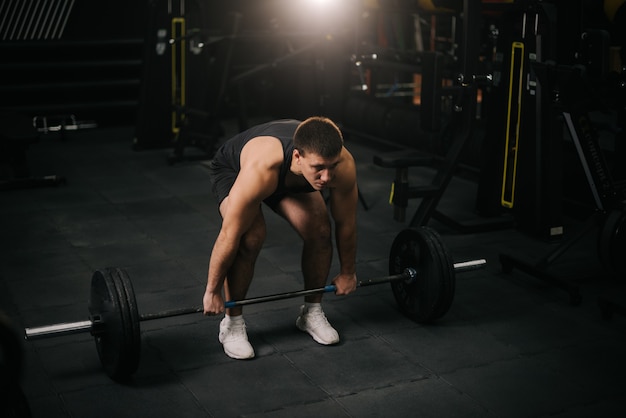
(320, 2)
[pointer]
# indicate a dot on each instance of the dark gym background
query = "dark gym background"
(499, 123)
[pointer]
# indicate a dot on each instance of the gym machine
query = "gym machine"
(571, 93)
(609, 215)
(463, 71)
(200, 126)
(185, 65)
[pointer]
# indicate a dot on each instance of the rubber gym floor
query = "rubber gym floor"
(511, 345)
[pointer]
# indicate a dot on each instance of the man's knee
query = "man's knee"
(252, 241)
(318, 233)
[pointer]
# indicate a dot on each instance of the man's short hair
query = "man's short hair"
(320, 136)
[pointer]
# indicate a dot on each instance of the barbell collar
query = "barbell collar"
(408, 275)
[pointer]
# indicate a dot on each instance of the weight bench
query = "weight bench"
(17, 133)
(401, 192)
(458, 129)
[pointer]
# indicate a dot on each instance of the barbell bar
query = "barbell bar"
(66, 328)
(422, 277)
(53, 330)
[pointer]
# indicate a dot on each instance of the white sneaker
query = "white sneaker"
(314, 322)
(234, 338)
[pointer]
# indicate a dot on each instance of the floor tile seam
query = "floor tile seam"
(160, 355)
(65, 405)
(476, 366)
(474, 399)
(285, 355)
(179, 379)
(339, 399)
(519, 357)
(531, 353)
(336, 398)
(59, 392)
(47, 213)
(8, 275)
(70, 247)
(558, 348)
(62, 229)
(309, 378)
(390, 345)
(165, 249)
(306, 403)
(76, 390)
(495, 413)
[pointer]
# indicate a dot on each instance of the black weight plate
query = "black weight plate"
(105, 311)
(134, 336)
(441, 255)
(114, 337)
(417, 300)
(448, 277)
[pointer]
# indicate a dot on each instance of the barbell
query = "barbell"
(422, 278)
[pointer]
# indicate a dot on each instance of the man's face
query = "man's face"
(316, 170)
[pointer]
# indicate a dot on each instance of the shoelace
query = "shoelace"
(236, 332)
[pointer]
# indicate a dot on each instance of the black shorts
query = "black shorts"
(222, 179)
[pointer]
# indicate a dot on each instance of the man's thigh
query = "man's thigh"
(304, 211)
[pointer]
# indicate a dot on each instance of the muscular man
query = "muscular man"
(284, 164)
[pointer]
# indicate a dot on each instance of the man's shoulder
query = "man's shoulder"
(279, 128)
(264, 148)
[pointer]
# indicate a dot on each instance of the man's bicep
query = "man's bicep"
(247, 193)
(255, 183)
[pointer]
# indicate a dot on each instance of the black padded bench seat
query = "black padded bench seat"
(406, 158)
(17, 134)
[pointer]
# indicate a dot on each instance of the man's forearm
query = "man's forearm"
(221, 259)
(345, 238)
